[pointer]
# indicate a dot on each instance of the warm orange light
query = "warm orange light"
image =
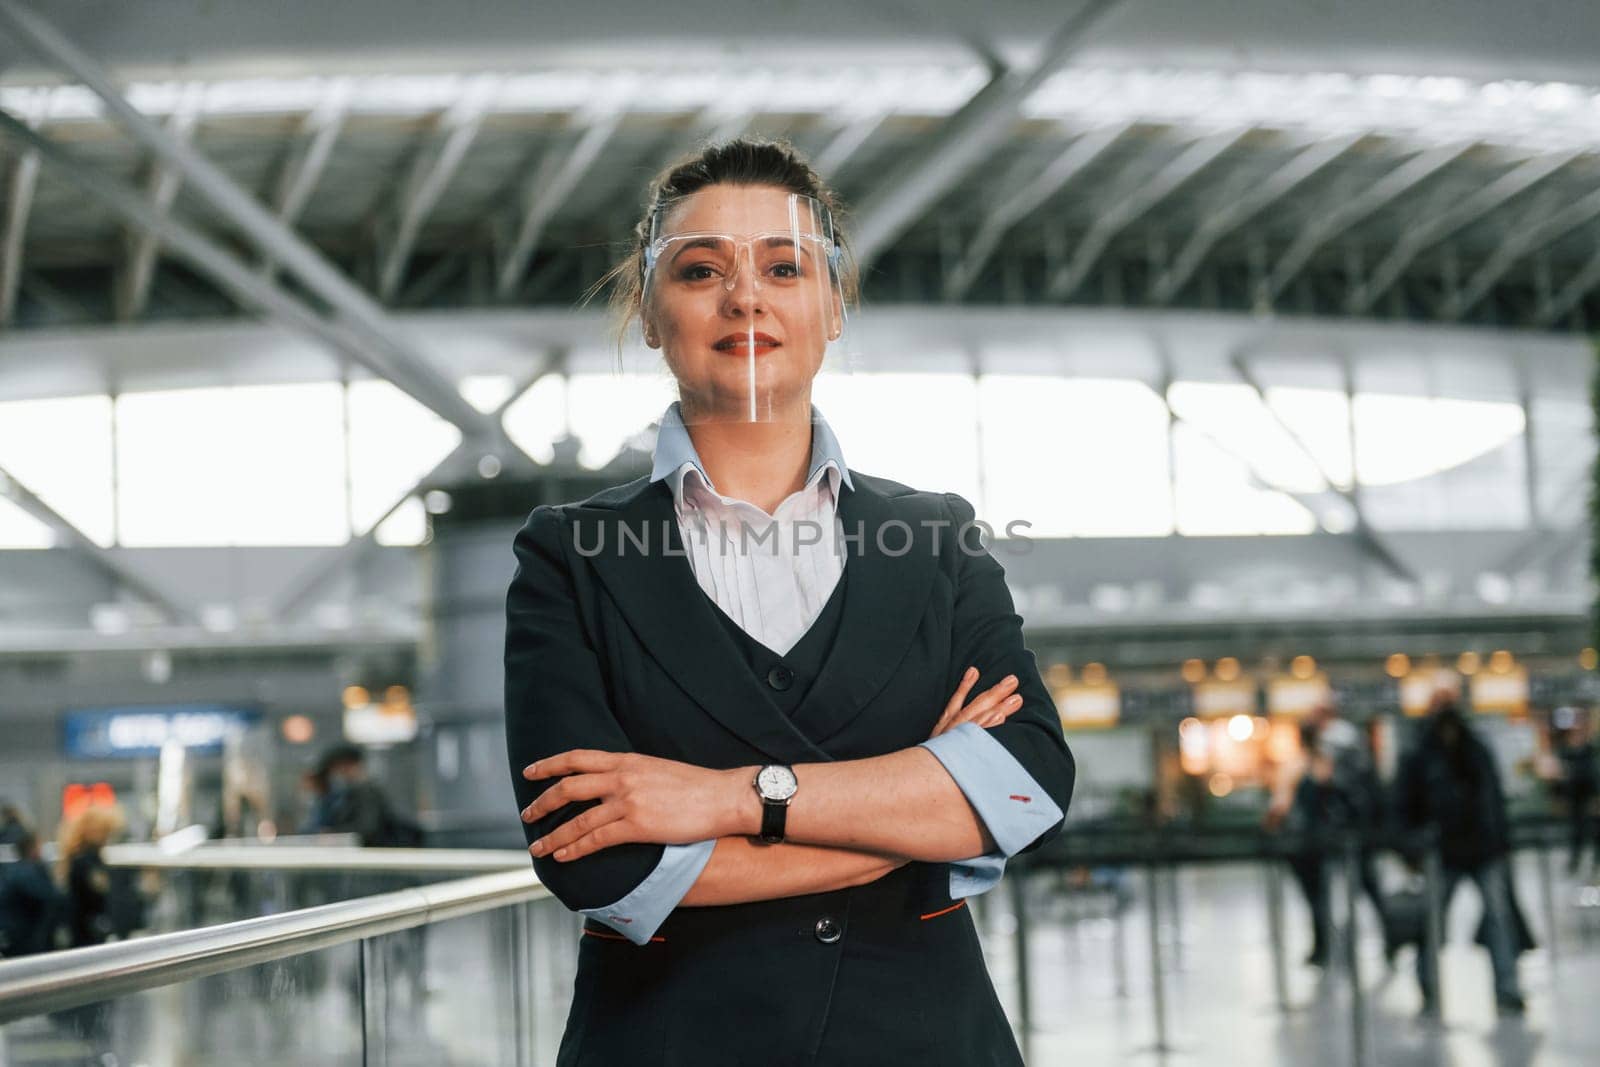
(1468, 663)
(1500, 661)
(1188, 726)
(1397, 665)
(1589, 659)
(298, 729)
(1094, 673)
(76, 797)
(1194, 670)
(356, 696)
(1058, 675)
(1303, 667)
(1221, 784)
(1227, 669)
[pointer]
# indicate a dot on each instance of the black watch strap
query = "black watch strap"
(774, 815)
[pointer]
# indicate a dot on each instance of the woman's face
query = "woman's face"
(709, 298)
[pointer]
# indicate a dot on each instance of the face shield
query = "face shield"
(742, 296)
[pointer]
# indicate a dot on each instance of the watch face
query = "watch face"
(777, 783)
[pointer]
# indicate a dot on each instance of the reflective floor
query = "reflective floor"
(451, 996)
(1221, 997)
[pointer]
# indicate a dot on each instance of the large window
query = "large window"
(262, 465)
(311, 464)
(59, 449)
(1075, 457)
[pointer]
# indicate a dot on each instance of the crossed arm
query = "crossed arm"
(851, 822)
(589, 797)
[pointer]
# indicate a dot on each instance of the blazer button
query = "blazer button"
(780, 677)
(827, 930)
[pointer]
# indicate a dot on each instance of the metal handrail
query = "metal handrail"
(316, 858)
(74, 977)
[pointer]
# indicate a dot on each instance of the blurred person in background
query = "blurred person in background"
(1578, 780)
(30, 903)
(84, 873)
(1449, 783)
(13, 827)
(354, 804)
(314, 784)
(1331, 790)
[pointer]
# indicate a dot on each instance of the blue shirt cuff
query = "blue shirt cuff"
(1014, 808)
(640, 914)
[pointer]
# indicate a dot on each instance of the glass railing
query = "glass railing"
(474, 970)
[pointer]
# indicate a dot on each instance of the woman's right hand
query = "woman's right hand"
(991, 707)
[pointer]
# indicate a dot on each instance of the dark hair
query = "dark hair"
(741, 161)
(337, 755)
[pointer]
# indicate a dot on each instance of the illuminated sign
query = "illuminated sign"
(135, 732)
(1213, 700)
(1291, 696)
(1418, 688)
(1083, 706)
(1502, 693)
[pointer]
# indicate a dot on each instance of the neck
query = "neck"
(760, 462)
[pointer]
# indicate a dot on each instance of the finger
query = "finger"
(968, 680)
(575, 761)
(953, 705)
(1009, 708)
(575, 788)
(990, 698)
(612, 833)
(568, 832)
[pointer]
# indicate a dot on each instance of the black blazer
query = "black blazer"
(610, 647)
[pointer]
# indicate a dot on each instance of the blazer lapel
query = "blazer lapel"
(883, 603)
(656, 590)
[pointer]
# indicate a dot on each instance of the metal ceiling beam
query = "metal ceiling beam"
(846, 143)
(1571, 294)
(436, 164)
(1304, 165)
(19, 205)
(133, 285)
(968, 137)
(308, 156)
(1519, 243)
(229, 272)
(459, 462)
(83, 546)
(1457, 216)
(1125, 212)
(360, 315)
(1079, 155)
(553, 181)
(1325, 226)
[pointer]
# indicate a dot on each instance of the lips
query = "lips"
(739, 342)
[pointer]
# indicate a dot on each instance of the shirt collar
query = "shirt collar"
(675, 454)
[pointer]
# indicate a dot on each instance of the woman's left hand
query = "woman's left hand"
(642, 799)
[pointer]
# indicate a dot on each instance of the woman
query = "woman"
(759, 774)
(85, 875)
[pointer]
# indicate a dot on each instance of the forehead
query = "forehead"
(732, 209)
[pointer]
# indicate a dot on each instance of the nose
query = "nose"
(742, 293)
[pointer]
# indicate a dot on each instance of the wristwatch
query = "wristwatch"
(776, 785)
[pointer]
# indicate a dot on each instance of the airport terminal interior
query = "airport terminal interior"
(1261, 338)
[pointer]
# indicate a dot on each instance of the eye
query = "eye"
(785, 269)
(697, 272)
